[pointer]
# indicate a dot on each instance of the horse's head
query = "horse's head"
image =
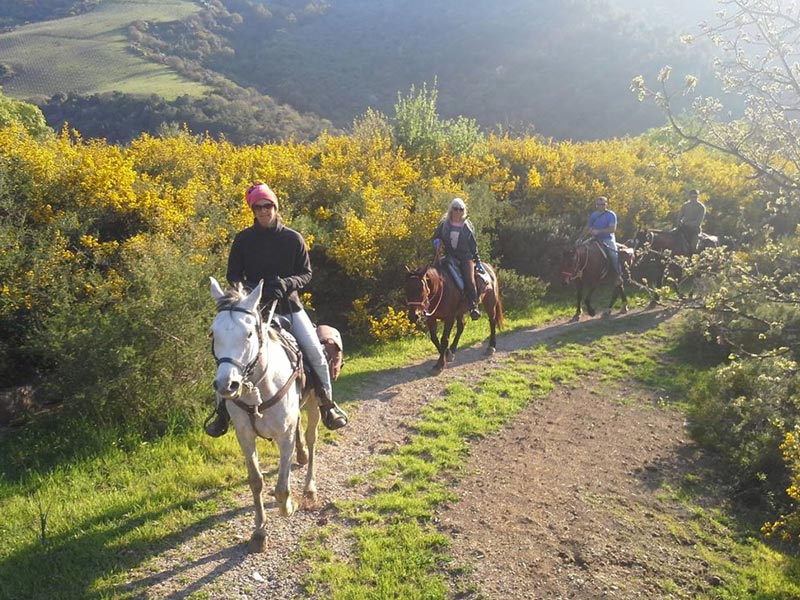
(642, 237)
(237, 335)
(417, 292)
(569, 267)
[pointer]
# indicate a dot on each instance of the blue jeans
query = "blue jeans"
(306, 335)
(611, 248)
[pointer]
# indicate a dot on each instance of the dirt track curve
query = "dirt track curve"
(579, 512)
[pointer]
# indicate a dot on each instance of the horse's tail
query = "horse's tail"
(499, 318)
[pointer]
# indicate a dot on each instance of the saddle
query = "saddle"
(452, 267)
(482, 280)
(329, 337)
(625, 255)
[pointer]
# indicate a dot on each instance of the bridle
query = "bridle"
(425, 301)
(246, 370)
(579, 264)
(254, 410)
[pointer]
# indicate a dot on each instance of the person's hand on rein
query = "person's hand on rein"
(273, 290)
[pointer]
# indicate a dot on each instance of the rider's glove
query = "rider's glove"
(273, 290)
(436, 243)
(479, 267)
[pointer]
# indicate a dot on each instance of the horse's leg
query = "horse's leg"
(247, 442)
(448, 327)
(624, 296)
(614, 295)
(432, 333)
(579, 308)
(313, 418)
(283, 495)
(588, 300)
(451, 354)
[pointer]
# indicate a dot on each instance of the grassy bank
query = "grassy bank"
(92, 521)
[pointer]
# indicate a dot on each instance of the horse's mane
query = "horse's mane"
(232, 296)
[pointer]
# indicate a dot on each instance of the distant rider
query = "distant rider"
(601, 225)
(690, 220)
(455, 236)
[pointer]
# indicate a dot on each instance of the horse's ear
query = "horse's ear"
(216, 290)
(253, 298)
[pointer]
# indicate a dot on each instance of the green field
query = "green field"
(89, 53)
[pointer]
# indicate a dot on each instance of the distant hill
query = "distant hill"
(562, 65)
(559, 67)
(88, 51)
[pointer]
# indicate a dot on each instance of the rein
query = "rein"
(424, 304)
(578, 268)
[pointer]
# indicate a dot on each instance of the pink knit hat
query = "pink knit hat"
(260, 191)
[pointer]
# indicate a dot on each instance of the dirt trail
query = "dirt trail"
(578, 513)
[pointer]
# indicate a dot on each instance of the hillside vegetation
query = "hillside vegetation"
(90, 52)
(561, 69)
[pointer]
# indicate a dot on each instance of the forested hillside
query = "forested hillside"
(561, 69)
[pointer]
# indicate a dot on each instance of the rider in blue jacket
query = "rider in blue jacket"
(601, 225)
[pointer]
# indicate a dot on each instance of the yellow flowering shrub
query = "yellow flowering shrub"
(787, 527)
(393, 325)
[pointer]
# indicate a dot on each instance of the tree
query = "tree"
(753, 300)
(759, 63)
(28, 115)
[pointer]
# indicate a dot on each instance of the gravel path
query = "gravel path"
(577, 513)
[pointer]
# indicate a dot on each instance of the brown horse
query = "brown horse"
(666, 244)
(588, 266)
(432, 294)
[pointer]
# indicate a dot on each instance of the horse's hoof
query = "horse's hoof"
(310, 497)
(437, 370)
(591, 313)
(653, 304)
(302, 458)
(287, 510)
(490, 350)
(605, 314)
(451, 356)
(258, 542)
(575, 319)
(624, 310)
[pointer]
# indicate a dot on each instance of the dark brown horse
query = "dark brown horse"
(666, 244)
(433, 295)
(587, 265)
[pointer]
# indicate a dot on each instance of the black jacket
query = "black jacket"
(467, 248)
(276, 253)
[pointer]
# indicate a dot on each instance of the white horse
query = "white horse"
(262, 388)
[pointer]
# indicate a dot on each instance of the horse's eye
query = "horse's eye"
(249, 334)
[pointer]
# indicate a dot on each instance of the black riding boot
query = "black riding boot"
(219, 425)
(472, 296)
(333, 417)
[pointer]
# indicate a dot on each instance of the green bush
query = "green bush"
(743, 410)
(519, 292)
(532, 244)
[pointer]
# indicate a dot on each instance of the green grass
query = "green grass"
(106, 515)
(89, 53)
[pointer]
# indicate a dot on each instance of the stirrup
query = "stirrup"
(333, 417)
(216, 424)
(475, 313)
